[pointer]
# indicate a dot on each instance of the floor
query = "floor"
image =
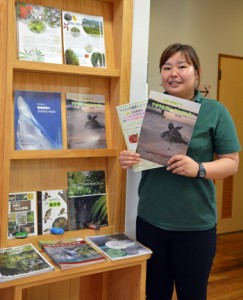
(226, 279)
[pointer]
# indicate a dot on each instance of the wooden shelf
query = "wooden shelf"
(58, 274)
(121, 279)
(65, 69)
(67, 235)
(46, 154)
(47, 169)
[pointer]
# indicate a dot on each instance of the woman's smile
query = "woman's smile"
(179, 77)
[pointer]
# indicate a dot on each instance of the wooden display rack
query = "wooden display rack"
(35, 170)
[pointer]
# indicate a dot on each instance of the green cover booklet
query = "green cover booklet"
(87, 199)
(21, 261)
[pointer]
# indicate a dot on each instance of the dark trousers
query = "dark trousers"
(180, 258)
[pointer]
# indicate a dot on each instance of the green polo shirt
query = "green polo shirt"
(175, 202)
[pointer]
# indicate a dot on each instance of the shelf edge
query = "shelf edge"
(65, 69)
(46, 154)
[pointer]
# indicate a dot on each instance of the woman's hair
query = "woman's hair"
(188, 51)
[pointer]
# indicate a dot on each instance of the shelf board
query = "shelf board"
(20, 65)
(67, 153)
(67, 235)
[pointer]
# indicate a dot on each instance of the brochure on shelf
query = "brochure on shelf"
(83, 39)
(22, 213)
(39, 33)
(117, 246)
(85, 114)
(21, 261)
(37, 120)
(71, 254)
(87, 199)
(52, 210)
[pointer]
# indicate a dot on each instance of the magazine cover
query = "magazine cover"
(72, 254)
(37, 120)
(52, 210)
(22, 213)
(117, 246)
(85, 115)
(87, 199)
(131, 118)
(83, 39)
(39, 34)
(167, 127)
(21, 261)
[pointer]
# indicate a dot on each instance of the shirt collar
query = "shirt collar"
(198, 97)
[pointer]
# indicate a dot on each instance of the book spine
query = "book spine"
(39, 212)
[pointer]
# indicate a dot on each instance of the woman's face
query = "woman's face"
(179, 78)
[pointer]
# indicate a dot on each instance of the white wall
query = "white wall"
(211, 27)
(141, 13)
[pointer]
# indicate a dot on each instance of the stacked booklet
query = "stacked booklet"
(71, 253)
(76, 252)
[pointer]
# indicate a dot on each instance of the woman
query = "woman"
(177, 206)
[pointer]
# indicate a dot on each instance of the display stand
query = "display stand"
(43, 170)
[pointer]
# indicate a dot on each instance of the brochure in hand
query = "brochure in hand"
(167, 127)
(131, 118)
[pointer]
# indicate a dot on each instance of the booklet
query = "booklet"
(87, 199)
(39, 35)
(70, 254)
(21, 261)
(131, 118)
(52, 210)
(83, 40)
(85, 114)
(167, 127)
(22, 213)
(37, 120)
(117, 246)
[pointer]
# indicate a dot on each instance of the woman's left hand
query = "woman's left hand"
(183, 165)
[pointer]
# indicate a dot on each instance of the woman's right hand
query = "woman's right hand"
(128, 159)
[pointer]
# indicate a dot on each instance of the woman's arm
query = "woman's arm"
(225, 165)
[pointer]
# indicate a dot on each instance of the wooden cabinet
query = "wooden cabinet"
(34, 170)
(120, 280)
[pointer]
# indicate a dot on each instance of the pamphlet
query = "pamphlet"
(83, 39)
(167, 127)
(131, 118)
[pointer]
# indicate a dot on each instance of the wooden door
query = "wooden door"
(229, 190)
